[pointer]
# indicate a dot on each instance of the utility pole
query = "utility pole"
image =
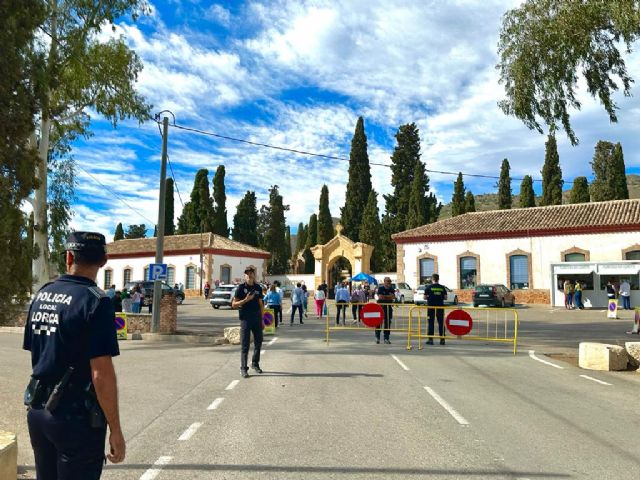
(157, 285)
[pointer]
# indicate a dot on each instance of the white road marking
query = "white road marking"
(216, 403)
(400, 362)
(273, 340)
(232, 385)
(595, 380)
(188, 433)
(459, 418)
(532, 355)
(152, 473)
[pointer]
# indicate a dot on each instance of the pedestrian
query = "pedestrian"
(357, 300)
(611, 291)
(305, 300)
(117, 301)
(127, 302)
(568, 294)
(248, 299)
(386, 295)
(342, 299)
(73, 395)
(625, 293)
(273, 300)
(367, 290)
(111, 292)
(207, 289)
(297, 297)
(319, 296)
(136, 298)
(577, 296)
(435, 295)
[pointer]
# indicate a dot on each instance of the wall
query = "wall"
(292, 279)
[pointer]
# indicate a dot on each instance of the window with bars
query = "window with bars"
(468, 272)
(519, 270)
(426, 269)
(108, 278)
(126, 276)
(190, 278)
(171, 276)
(225, 274)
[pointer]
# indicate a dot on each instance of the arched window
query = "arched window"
(575, 257)
(468, 272)
(190, 278)
(108, 278)
(126, 276)
(519, 272)
(171, 276)
(632, 255)
(225, 274)
(427, 268)
(146, 273)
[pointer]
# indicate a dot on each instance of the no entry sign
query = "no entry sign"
(372, 315)
(459, 322)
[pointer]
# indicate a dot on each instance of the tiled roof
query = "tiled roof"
(177, 243)
(594, 217)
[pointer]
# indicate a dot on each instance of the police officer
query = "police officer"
(434, 294)
(248, 299)
(72, 395)
(386, 295)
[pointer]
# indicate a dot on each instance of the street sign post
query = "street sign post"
(121, 325)
(459, 322)
(157, 271)
(268, 322)
(372, 315)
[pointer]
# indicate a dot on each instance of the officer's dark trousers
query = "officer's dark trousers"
(432, 314)
(65, 449)
(388, 315)
(247, 327)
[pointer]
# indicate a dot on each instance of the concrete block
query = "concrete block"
(601, 356)
(232, 335)
(8, 455)
(633, 350)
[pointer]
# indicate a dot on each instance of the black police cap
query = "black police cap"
(85, 241)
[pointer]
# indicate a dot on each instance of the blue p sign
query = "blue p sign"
(157, 271)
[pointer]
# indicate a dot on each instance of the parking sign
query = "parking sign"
(157, 271)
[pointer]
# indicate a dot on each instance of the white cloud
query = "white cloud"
(217, 13)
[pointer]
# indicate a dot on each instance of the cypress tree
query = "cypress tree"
(325, 222)
(602, 187)
(504, 186)
(312, 234)
(580, 191)
(358, 185)
(245, 221)
(169, 225)
(370, 229)
(527, 195)
(418, 214)
(469, 202)
(275, 234)
(219, 224)
(287, 246)
(619, 180)
(301, 238)
(198, 212)
(119, 234)
(551, 174)
(155, 231)
(457, 200)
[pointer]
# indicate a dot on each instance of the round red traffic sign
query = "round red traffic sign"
(459, 322)
(372, 315)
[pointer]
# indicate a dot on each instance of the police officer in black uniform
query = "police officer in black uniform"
(434, 294)
(72, 395)
(248, 299)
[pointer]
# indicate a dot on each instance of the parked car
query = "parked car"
(147, 289)
(496, 295)
(404, 293)
(222, 296)
(452, 298)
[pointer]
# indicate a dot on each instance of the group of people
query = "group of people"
(572, 295)
(127, 300)
(615, 290)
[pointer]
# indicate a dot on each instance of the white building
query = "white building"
(530, 250)
(186, 256)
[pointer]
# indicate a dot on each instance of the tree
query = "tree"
(301, 238)
(136, 231)
(457, 200)
(619, 180)
(370, 229)
(610, 179)
(504, 186)
(245, 221)
(418, 213)
(169, 225)
(219, 221)
(580, 191)
(197, 214)
(527, 195)
(325, 222)
(358, 185)
(287, 246)
(312, 235)
(155, 231)
(119, 233)
(79, 72)
(469, 202)
(275, 235)
(545, 43)
(551, 174)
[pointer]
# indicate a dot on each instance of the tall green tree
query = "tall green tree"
(527, 195)
(219, 221)
(370, 230)
(197, 214)
(119, 233)
(418, 213)
(287, 244)
(457, 199)
(610, 179)
(325, 222)
(136, 231)
(504, 186)
(312, 235)
(580, 191)
(545, 44)
(245, 221)
(469, 202)
(274, 240)
(81, 71)
(358, 185)
(551, 174)
(169, 225)
(301, 238)
(619, 181)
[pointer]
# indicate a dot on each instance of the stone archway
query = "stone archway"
(358, 254)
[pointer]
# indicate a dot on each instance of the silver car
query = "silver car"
(222, 296)
(452, 298)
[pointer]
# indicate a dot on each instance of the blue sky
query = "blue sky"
(297, 74)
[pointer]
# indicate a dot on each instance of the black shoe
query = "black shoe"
(244, 373)
(377, 340)
(301, 322)
(257, 368)
(429, 342)
(386, 340)
(442, 341)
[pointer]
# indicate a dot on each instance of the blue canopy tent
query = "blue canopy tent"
(363, 277)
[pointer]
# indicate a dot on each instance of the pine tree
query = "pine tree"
(418, 213)
(245, 221)
(219, 223)
(136, 231)
(119, 234)
(301, 238)
(527, 195)
(457, 200)
(580, 191)
(275, 235)
(358, 185)
(370, 229)
(169, 225)
(197, 214)
(312, 235)
(469, 202)
(504, 186)
(325, 222)
(551, 174)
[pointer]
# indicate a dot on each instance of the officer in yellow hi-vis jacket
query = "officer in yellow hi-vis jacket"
(435, 295)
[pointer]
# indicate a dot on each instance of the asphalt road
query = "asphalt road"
(354, 409)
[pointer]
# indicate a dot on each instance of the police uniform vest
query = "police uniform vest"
(251, 310)
(435, 294)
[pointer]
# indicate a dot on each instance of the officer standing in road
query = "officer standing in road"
(434, 294)
(386, 295)
(248, 299)
(73, 394)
